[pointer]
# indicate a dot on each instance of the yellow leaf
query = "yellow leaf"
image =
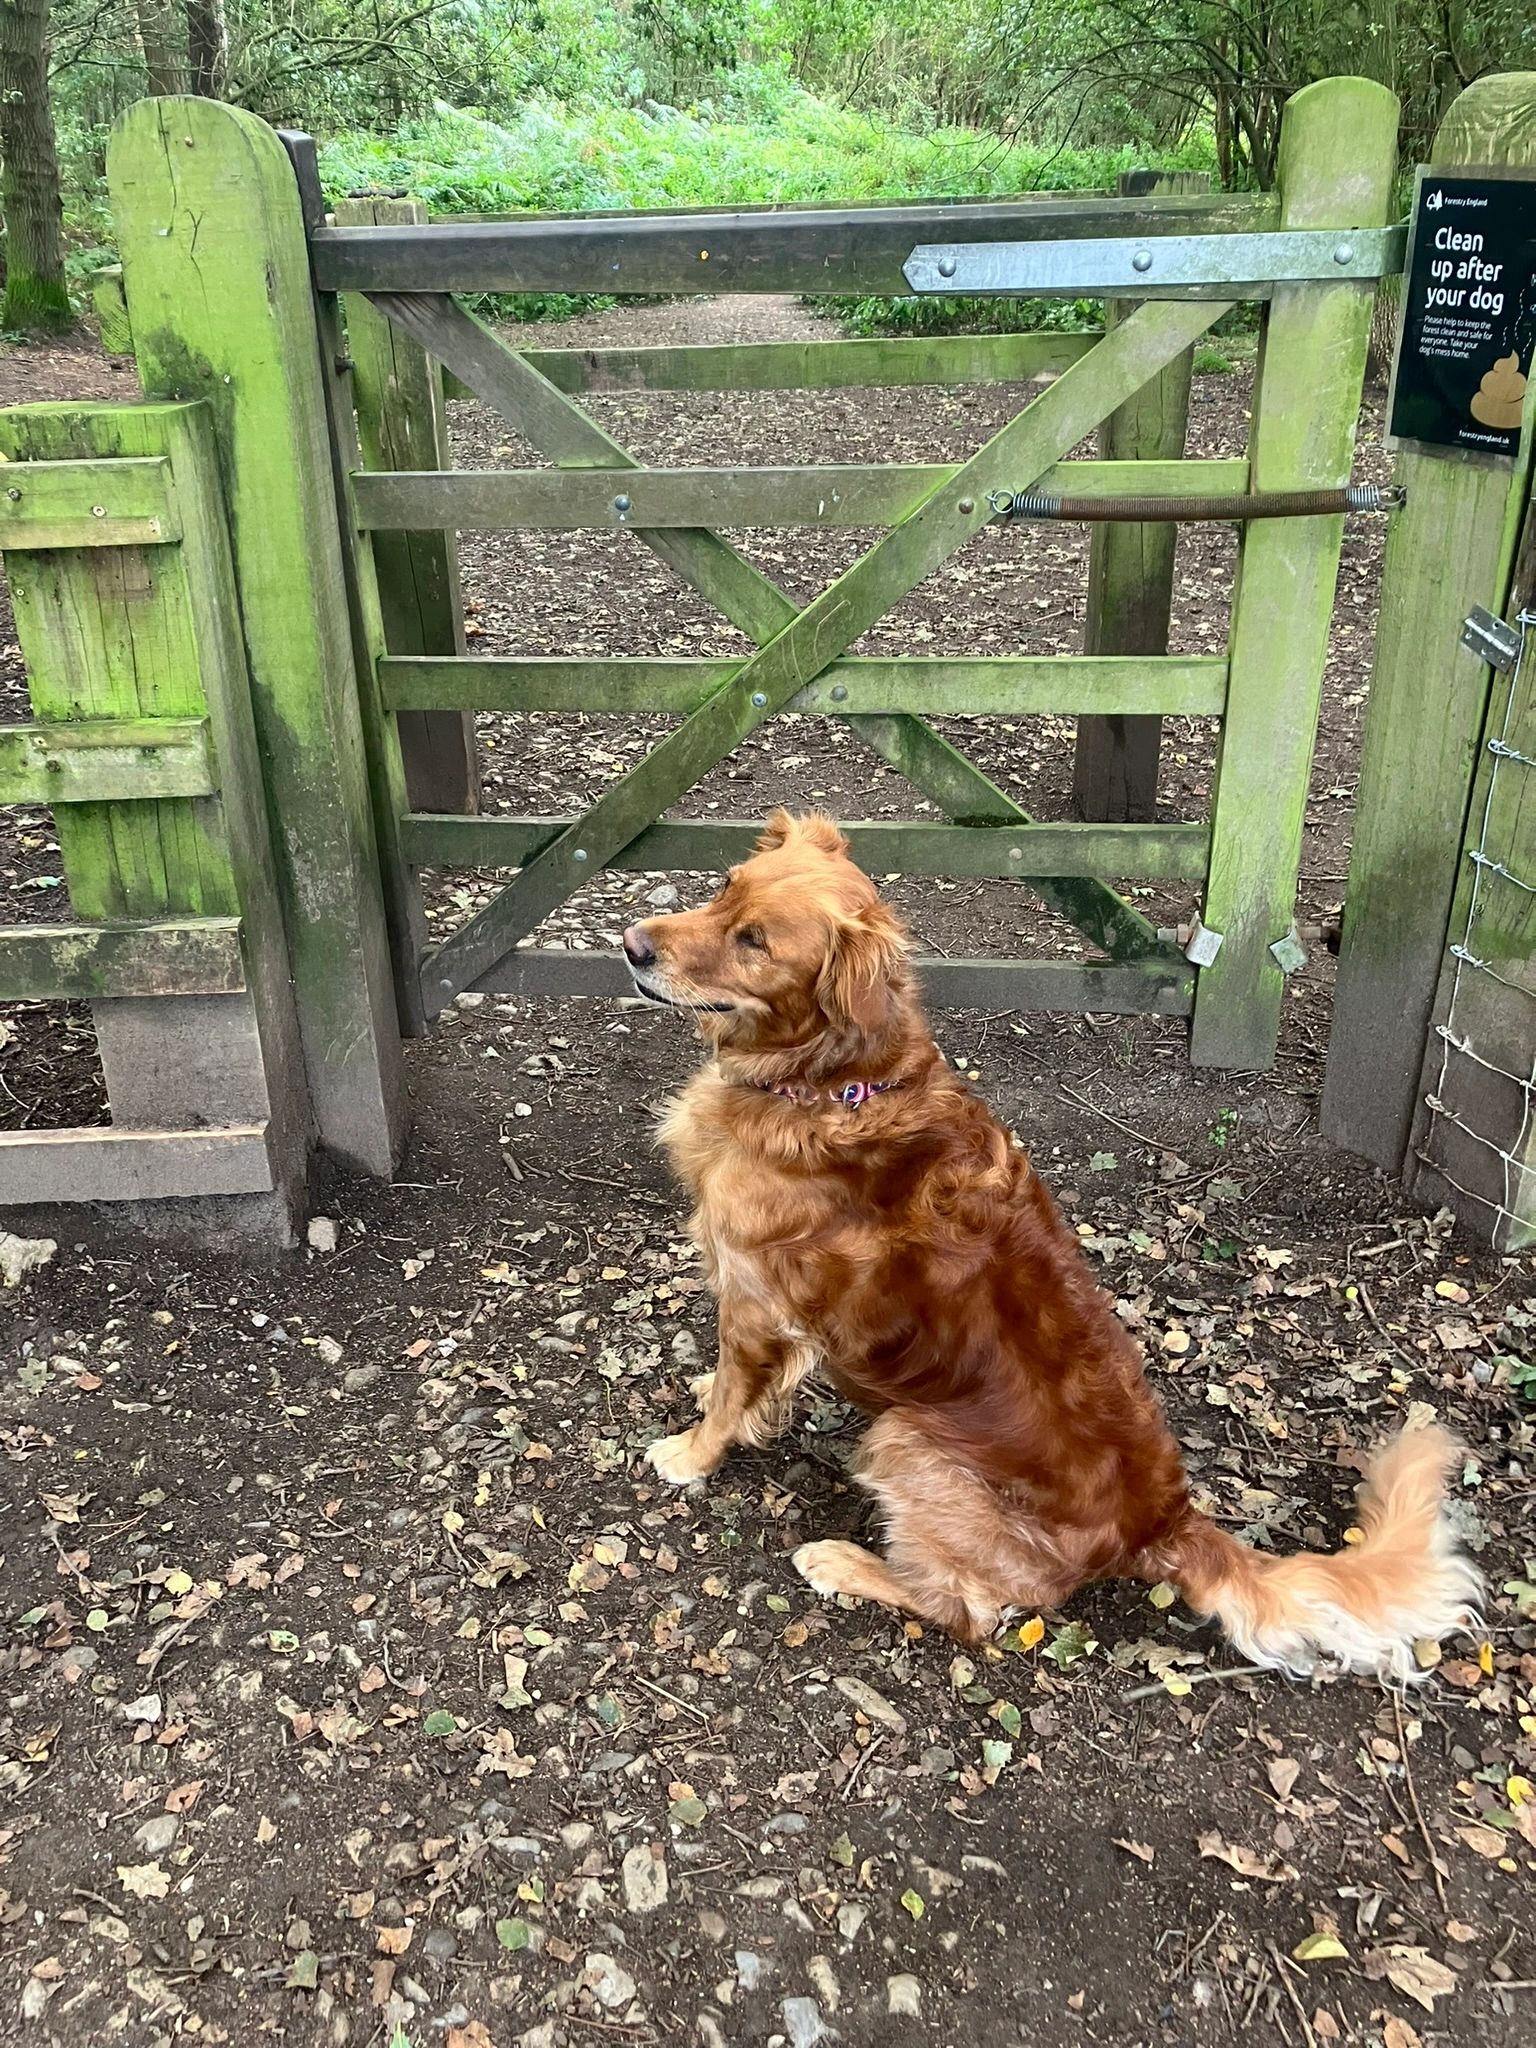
(1485, 1659)
(177, 1583)
(1426, 1653)
(1172, 1683)
(1163, 1595)
(1031, 1632)
(1519, 1791)
(1318, 1948)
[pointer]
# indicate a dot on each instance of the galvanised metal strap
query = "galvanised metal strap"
(1162, 266)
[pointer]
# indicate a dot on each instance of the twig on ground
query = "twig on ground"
(1418, 1811)
(1290, 1991)
(1150, 1692)
(1082, 1101)
(863, 1760)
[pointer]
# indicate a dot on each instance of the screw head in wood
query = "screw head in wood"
(621, 503)
(580, 853)
(839, 693)
(98, 511)
(946, 266)
(13, 494)
(1345, 253)
(758, 700)
(1142, 260)
(967, 504)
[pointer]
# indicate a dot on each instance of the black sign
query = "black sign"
(1469, 314)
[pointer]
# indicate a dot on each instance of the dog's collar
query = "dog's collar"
(849, 1096)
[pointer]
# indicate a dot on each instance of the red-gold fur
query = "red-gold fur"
(907, 1248)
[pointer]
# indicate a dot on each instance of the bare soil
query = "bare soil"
(360, 1684)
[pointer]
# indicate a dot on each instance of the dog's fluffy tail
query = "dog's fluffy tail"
(1363, 1608)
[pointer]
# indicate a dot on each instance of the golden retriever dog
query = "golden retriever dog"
(863, 1215)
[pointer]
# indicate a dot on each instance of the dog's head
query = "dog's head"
(797, 950)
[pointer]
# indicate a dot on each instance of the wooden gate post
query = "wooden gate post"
(1449, 548)
(1338, 153)
(1130, 570)
(216, 269)
(397, 391)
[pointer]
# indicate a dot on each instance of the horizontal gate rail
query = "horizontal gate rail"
(828, 494)
(825, 250)
(86, 504)
(105, 760)
(1124, 988)
(880, 848)
(91, 1165)
(812, 365)
(1178, 267)
(51, 963)
(1015, 685)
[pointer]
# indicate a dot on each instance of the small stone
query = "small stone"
(22, 1255)
(685, 1349)
(904, 1997)
(541, 2036)
(147, 1707)
(576, 1834)
(710, 2035)
(298, 1935)
(802, 2022)
(751, 1969)
(850, 1919)
(159, 1832)
(644, 1871)
(712, 1925)
(821, 1974)
(35, 1996)
(361, 1378)
(663, 897)
(455, 2016)
(938, 1761)
(441, 1945)
(329, 1350)
(322, 1233)
(612, 1986)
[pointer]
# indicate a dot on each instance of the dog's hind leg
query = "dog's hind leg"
(848, 1568)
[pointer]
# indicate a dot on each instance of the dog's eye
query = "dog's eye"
(752, 935)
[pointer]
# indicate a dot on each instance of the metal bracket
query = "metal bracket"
(1490, 639)
(1204, 945)
(1159, 266)
(1289, 954)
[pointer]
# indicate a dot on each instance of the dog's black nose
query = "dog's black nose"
(638, 948)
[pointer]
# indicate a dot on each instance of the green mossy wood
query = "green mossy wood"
(1338, 154)
(397, 394)
(140, 647)
(216, 267)
(1450, 547)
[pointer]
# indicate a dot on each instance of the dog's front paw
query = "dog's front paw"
(825, 1566)
(701, 1387)
(679, 1459)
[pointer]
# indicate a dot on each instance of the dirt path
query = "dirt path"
(361, 1687)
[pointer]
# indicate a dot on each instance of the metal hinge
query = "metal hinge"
(1163, 266)
(1490, 639)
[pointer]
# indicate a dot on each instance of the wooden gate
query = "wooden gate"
(176, 191)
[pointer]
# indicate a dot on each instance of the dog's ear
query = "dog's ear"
(813, 828)
(858, 983)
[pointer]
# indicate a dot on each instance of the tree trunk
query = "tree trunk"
(35, 296)
(162, 59)
(207, 47)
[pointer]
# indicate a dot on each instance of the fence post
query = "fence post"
(1449, 548)
(152, 632)
(1130, 570)
(402, 423)
(215, 263)
(1338, 152)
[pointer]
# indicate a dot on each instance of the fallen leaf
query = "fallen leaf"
(913, 1902)
(1282, 1772)
(304, 1972)
(143, 1880)
(1325, 2026)
(1318, 1948)
(1396, 2033)
(1030, 1632)
(393, 1941)
(1246, 1862)
(1414, 1971)
(513, 1934)
(1142, 1851)
(1163, 1595)
(182, 1798)
(1486, 1841)
(473, 2035)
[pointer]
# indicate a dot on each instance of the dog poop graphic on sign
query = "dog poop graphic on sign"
(1498, 400)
